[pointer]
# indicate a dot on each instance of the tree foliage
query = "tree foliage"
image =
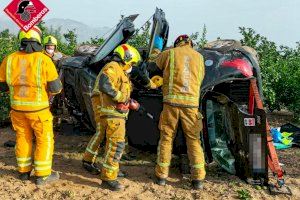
(141, 39)
(95, 41)
(280, 67)
(8, 43)
(199, 40)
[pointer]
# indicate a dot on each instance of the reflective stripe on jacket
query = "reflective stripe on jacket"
(30, 77)
(183, 73)
(112, 86)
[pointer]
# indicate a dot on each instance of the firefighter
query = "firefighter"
(50, 49)
(183, 72)
(110, 99)
(30, 76)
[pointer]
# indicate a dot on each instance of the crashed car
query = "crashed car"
(235, 128)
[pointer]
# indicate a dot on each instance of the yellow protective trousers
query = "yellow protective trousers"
(27, 125)
(93, 147)
(191, 120)
(113, 129)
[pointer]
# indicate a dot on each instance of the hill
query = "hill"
(83, 31)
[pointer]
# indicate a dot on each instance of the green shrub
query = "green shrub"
(280, 67)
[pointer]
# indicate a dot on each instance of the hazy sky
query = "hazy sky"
(279, 20)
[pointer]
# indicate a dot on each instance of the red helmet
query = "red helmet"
(182, 38)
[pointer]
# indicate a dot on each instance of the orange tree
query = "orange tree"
(8, 44)
(280, 67)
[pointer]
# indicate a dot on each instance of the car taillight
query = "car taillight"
(242, 65)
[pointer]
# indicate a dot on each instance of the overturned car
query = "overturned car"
(235, 132)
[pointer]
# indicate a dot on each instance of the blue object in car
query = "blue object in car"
(158, 42)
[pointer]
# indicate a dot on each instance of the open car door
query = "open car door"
(124, 30)
(143, 131)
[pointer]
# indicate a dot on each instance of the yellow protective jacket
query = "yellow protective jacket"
(29, 77)
(112, 86)
(183, 73)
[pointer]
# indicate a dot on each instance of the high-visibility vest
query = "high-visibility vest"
(183, 77)
(26, 77)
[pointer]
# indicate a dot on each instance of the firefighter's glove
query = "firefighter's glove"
(134, 105)
(158, 42)
(123, 107)
(144, 75)
(151, 85)
(156, 81)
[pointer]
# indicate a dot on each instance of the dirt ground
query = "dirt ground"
(75, 183)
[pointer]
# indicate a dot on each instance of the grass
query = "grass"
(244, 194)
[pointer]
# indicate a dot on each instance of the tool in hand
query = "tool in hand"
(135, 106)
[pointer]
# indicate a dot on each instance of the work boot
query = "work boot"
(197, 184)
(91, 167)
(47, 179)
(24, 176)
(160, 181)
(113, 185)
